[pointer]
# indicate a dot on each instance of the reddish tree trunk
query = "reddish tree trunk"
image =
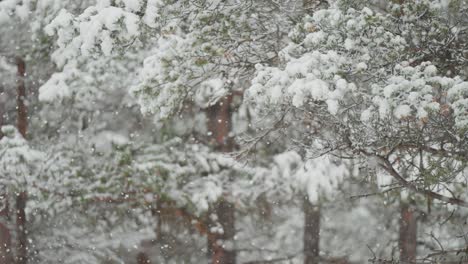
(219, 126)
(311, 232)
(408, 234)
(22, 124)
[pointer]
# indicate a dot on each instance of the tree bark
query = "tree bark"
(2, 109)
(5, 235)
(311, 239)
(22, 250)
(311, 232)
(22, 124)
(219, 126)
(219, 250)
(408, 234)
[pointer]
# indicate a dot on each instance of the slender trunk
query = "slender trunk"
(22, 124)
(311, 232)
(311, 237)
(22, 250)
(408, 235)
(5, 235)
(220, 243)
(22, 114)
(2, 109)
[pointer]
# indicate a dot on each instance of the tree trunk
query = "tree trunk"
(22, 250)
(408, 235)
(311, 238)
(22, 124)
(22, 114)
(2, 109)
(5, 235)
(311, 232)
(220, 243)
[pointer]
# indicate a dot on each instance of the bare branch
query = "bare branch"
(388, 167)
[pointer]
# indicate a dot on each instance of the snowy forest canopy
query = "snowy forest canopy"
(234, 131)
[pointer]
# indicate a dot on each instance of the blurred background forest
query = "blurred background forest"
(233, 131)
